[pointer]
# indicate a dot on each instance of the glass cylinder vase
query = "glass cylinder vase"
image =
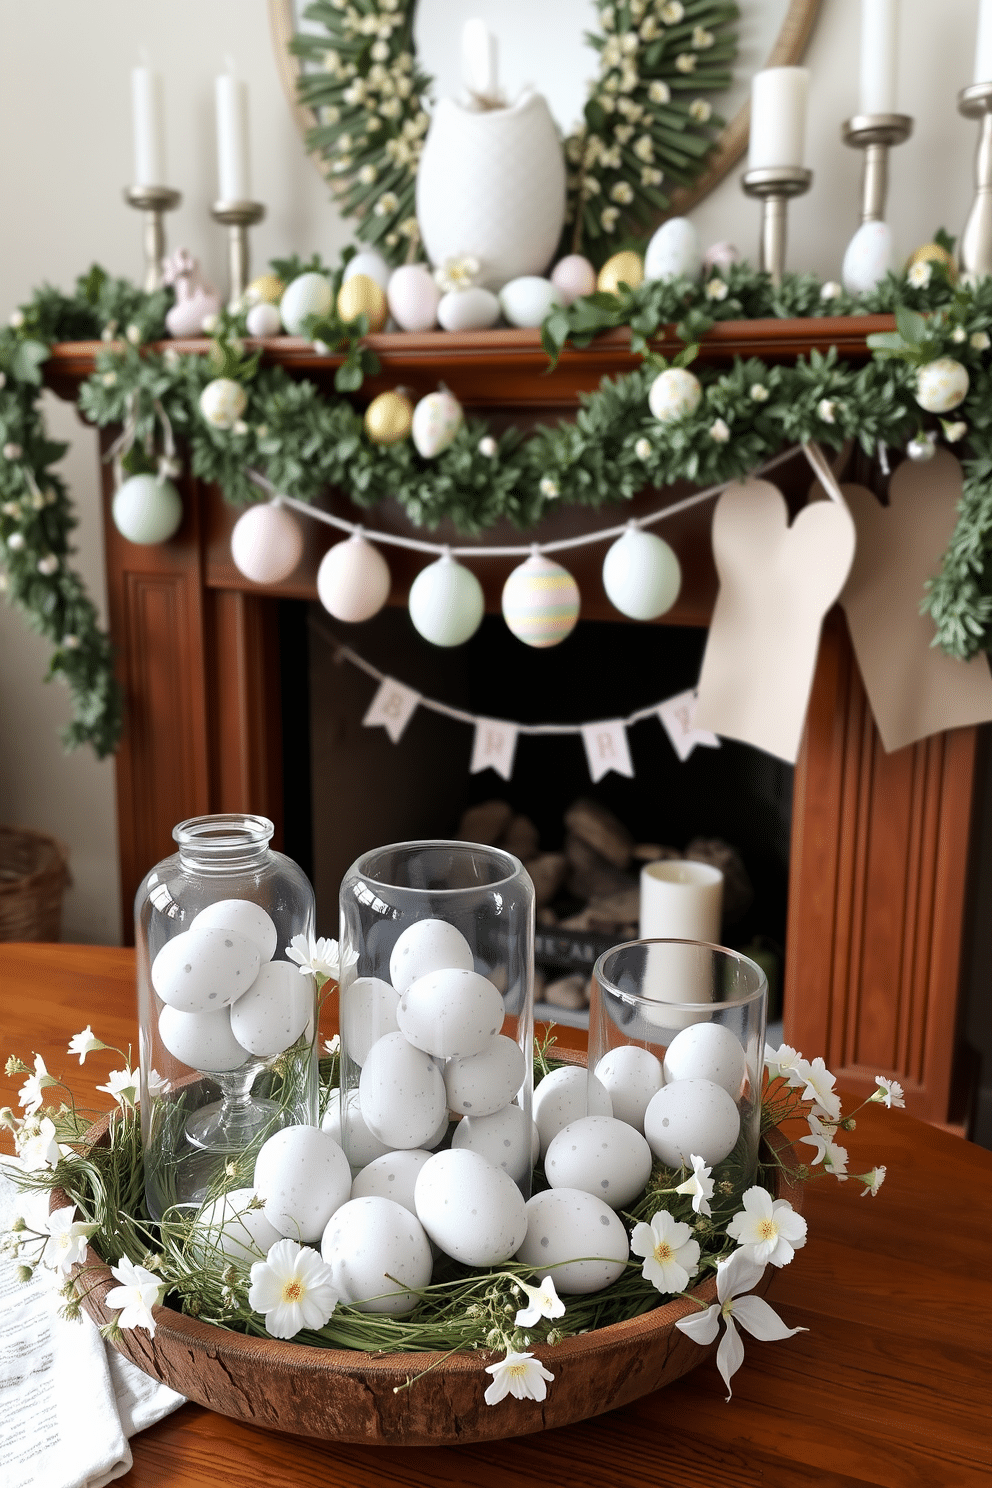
(227, 1018)
(436, 1004)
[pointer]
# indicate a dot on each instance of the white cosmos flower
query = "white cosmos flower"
(825, 410)
(315, 957)
(833, 1156)
(520, 1375)
(719, 432)
(542, 1301)
(67, 1237)
(139, 1292)
(919, 274)
(818, 1087)
(889, 1092)
(784, 1061)
(86, 1042)
(292, 1287)
(733, 1277)
(872, 1181)
(123, 1085)
(39, 1148)
(333, 1045)
(716, 288)
(979, 340)
(643, 449)
(671, 1253)
(700, 1186)
(29, 1095)
(769, 1229)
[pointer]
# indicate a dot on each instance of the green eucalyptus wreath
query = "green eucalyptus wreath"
(646, 123)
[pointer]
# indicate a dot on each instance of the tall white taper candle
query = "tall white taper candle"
(983, 44)
(231, 96)
(879, 56)
(149, 127)
(778, 117)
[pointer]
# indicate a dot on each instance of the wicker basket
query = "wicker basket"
(34, 873)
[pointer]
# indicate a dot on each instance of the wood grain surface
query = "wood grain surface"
(889, 1388)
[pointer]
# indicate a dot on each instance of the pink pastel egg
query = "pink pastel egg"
(573, 276)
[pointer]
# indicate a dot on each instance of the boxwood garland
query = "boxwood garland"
(302, 441)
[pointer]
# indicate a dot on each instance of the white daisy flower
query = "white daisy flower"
(67, 1237)
(768, 1228)
(719, 432)
(137, 1294)
(315, 957)
(920, 274)
(520, 1375)
(699, 1186)
(889, 1092)
(123, 1085)
(86, 1042)
(542, 1301)
(671, 1254)
(292, 1287)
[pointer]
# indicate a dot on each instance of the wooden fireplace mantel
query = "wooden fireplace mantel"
(880, 842)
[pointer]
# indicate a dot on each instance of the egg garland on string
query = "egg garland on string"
(266, 543)
(675, 393)
(147, 510)
(222, 402)
(308, 294)
(446, 602)
(436, 421)
(641, 575)
(389, 418)
(361, 295)
(540, 602)
(353, 580)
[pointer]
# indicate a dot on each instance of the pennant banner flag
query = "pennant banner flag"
(606, 748)
(494, 747)
(678, 718)
(392, 708)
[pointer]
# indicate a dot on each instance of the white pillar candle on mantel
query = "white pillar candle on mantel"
(149, 127)
(231, 94)
(983, 44)
(778, 117)
(681, 900)
(879, 56)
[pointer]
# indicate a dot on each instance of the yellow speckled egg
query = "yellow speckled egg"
(540, 602)
(361, 294)
(388, 418)
(934, 253)
(626, 268)
(267, 289)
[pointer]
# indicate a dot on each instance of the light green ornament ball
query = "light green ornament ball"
(446, 602)
(308, 294)
(147, 510)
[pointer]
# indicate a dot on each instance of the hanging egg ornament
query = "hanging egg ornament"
(370, 262)
(267, 289)
(361, 295)
(922, 447)
(446, 602)
(222, 402)
(263, 319)
(935, 253)
(388, 418)
(623, 268)
(353, 580)
(641, 575)
(573, 277)
(413, 297)
(941, 385)
(266, 543)
(147, 510)
(436, 420)
(308, 294)
(675, 393)
(540, 602)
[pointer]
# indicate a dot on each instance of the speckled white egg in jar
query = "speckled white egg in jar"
(202, 970)
(692, 1118)
(602, 1156)
(479, 1084)
(231, 1229)
(428, 945)
(392, 1176)
(367, 1010)
(508, 1139)
(564, 1096)
(275, 1010)
(574, 1238)
(302, 1176)
(631, 1076)
(203, 1041)
(401, 1093)
(360, 1145)
(450, 1014)
(473, 1211)
(707, 1051)
(371, 1244)
(244, 916)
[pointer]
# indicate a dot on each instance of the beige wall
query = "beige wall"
(66, 155)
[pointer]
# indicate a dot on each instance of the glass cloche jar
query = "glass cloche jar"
(227, 1019)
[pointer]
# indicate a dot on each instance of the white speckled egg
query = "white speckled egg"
(707, 1051)
(275, 1010)
(480, 1084)
(631, 1076)
(691, 1118)
(266, 543)
(573, 277)
(675, 393)
(473, 1211)
(370, 1244)
(674, 251)
(392, 1176)
(941, 385)
(370, 262)
(436, 420)
(367, 1010)
(450, 1013)
(527, 300)
(868, 257)
(413, 297)
(506, 1139)
(602, 1156)
(401, 1092)
(200, 971)
(308, 294)
(473, 309)
(204, 1041)
(565, 1223)
(302, 1175)
(428, 945)
(263, 320)
(230, 1230)
(359, 1144)
(353, 580)
(564, 1096)
(244, 916)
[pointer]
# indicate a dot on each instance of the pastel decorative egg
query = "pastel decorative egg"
(472, 309)
(564, 1224)
(566, 1095)
(450, 1013)
(222, 402)
(602, 1156)
(361, 295)
(479, 1084)
(243, 915)
(308, 294)
(266, 543)
(707, 1051)
(360, 1145)
(388, 418)
(507, 1139)
(526, 301)
(275, 1011)
(371, 1244)
(230, 1229)
(392, 1176)
(370, 262)
(721, 255)
(446, 602)
(540, 602)
(401, 1093)
(938, 254)
(203, 1041)
(205, 969)
(302, 1176)
(641, 575)
(428, 945)
(263, 320)
(573, 277)
(413, 297)
(922, 447)
(674, 251)
(353, 580)
(691, 1118)
(868, 257)
(367, 1010)
(267, 289)
(623, 268)
(147, 510)
(473, 1211)
(631, 1076)
(675, 393)
(436, 420)
(941, 385)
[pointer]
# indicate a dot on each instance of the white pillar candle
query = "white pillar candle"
(879, 56)
(778, 117)
(479, 64)
(149, 127)
(983, 44)
(681, 900)
(231, 95)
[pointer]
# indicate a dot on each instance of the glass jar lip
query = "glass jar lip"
(223, 832)
(512, 868)
(633, 999)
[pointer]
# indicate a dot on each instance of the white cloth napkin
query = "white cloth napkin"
(68, 1402)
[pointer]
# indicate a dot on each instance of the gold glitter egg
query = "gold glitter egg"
(934, 253)
(361, 294)
(267, 289)
(626, 268)
(388, 418)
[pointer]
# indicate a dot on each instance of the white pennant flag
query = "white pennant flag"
(678, 718)
(606, 748)
(495, 747)
(392, 708)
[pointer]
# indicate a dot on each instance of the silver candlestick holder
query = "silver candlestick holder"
(237, 217)
(154, 201)
(773, 185)
(975, 248)
(875, 134)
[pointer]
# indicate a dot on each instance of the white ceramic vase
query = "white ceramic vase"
(491, 184)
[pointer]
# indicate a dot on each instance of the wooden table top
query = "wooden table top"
(889, 1387)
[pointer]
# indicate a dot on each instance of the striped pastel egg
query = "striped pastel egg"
(540, 602)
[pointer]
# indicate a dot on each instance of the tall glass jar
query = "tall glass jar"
(436, 1004)
(227, 1020)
